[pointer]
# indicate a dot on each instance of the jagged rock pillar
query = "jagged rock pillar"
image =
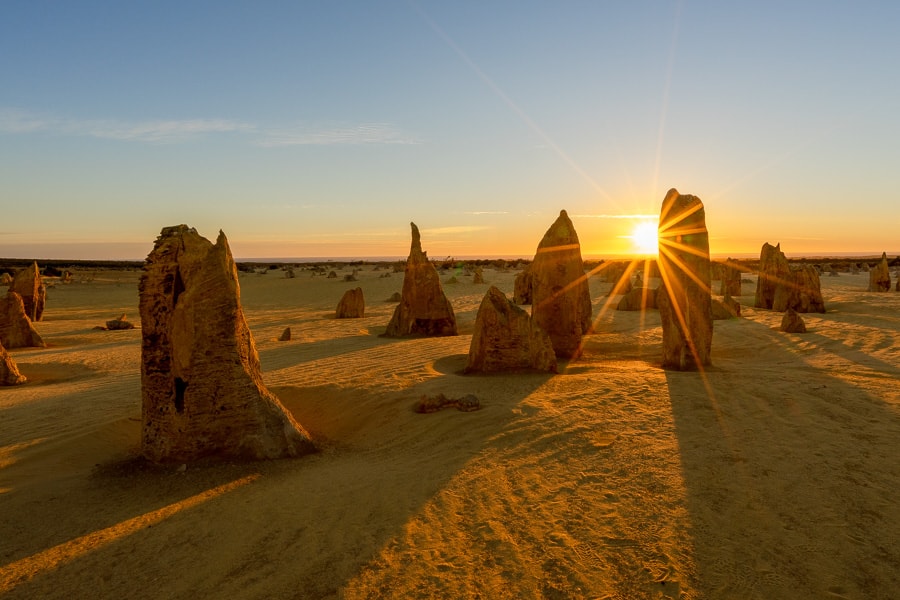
(201, 383)
(684, 300)
(30, 286)
(424, 309)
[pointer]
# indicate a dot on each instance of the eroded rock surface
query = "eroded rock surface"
(30, 286)
(202, 390)
(684, 300)
(424, 309)
(352, 305)
(561, 300)
(506, 338)
(880, 276)
(16, 329)
(9, 372)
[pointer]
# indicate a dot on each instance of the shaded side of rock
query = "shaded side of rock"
(561, 300)
(285, 335)
(352, 305)
(16, 329)
(805, 290)
(120, 323)
(506, 338)
(731, 279)
(424, 310)
(201, 384)
(9, 372)
(685, 304)
(522, 286)
(792, 322)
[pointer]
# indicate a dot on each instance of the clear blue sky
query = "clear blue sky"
(323, 128)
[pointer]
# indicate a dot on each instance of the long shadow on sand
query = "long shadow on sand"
(281, 529)
(790, 474)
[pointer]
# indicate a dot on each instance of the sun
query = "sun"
(644, 238)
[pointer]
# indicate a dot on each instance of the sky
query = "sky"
(322, 128)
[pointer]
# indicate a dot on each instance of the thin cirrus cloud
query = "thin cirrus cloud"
(15, 121)
(635, 216)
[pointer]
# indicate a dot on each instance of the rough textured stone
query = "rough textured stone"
(9, 372)
(792, 322)
(684, 300)
(5, 279)
(774, 273)
(16, 329)
(880, 276)
(478, 275)
(352, 305)
(30, 286)
(424, 309)
(639, 298)
(506, 338)
(522, 286)
(731, 279)
(202, 390)
(120, 323)
(561, 301)
(805, 290)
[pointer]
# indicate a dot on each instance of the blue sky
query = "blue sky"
(324, 128)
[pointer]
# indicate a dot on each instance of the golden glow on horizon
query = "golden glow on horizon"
(644, 238)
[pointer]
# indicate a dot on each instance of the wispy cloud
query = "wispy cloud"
(454, 229)
(635, 216)
(487, 212)
(154, 131)
(160, 131)
(358, 134)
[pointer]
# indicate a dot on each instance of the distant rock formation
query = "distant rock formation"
(506, 338)
(30, 286)
(684, 299)
(780, 286)
(201, 384)
(424, 309)
(16, 329)
(522, 286)
(9, 372)
(792, 322)
(880, 276)
(5, 278)
(561, 300)
(352, 305)
(731, 279)
(285, 335)
(120, 323)
(478, 275)
(639, 298)
(774, 274)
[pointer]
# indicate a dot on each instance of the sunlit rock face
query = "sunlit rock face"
(880, 276)
(201, 384)
(684, 300)
(30, 286)
(506, 338)
(561, 300)
(424, 309)
(16, 329)
(780, 286)
(352, 305)
(9, 372)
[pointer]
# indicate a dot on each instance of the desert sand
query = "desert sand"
(772, 474)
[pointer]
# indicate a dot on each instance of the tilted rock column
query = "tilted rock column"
(201, 382)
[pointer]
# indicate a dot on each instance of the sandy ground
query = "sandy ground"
(774, 474)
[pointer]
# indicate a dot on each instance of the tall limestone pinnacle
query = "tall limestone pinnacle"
(201, 383)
